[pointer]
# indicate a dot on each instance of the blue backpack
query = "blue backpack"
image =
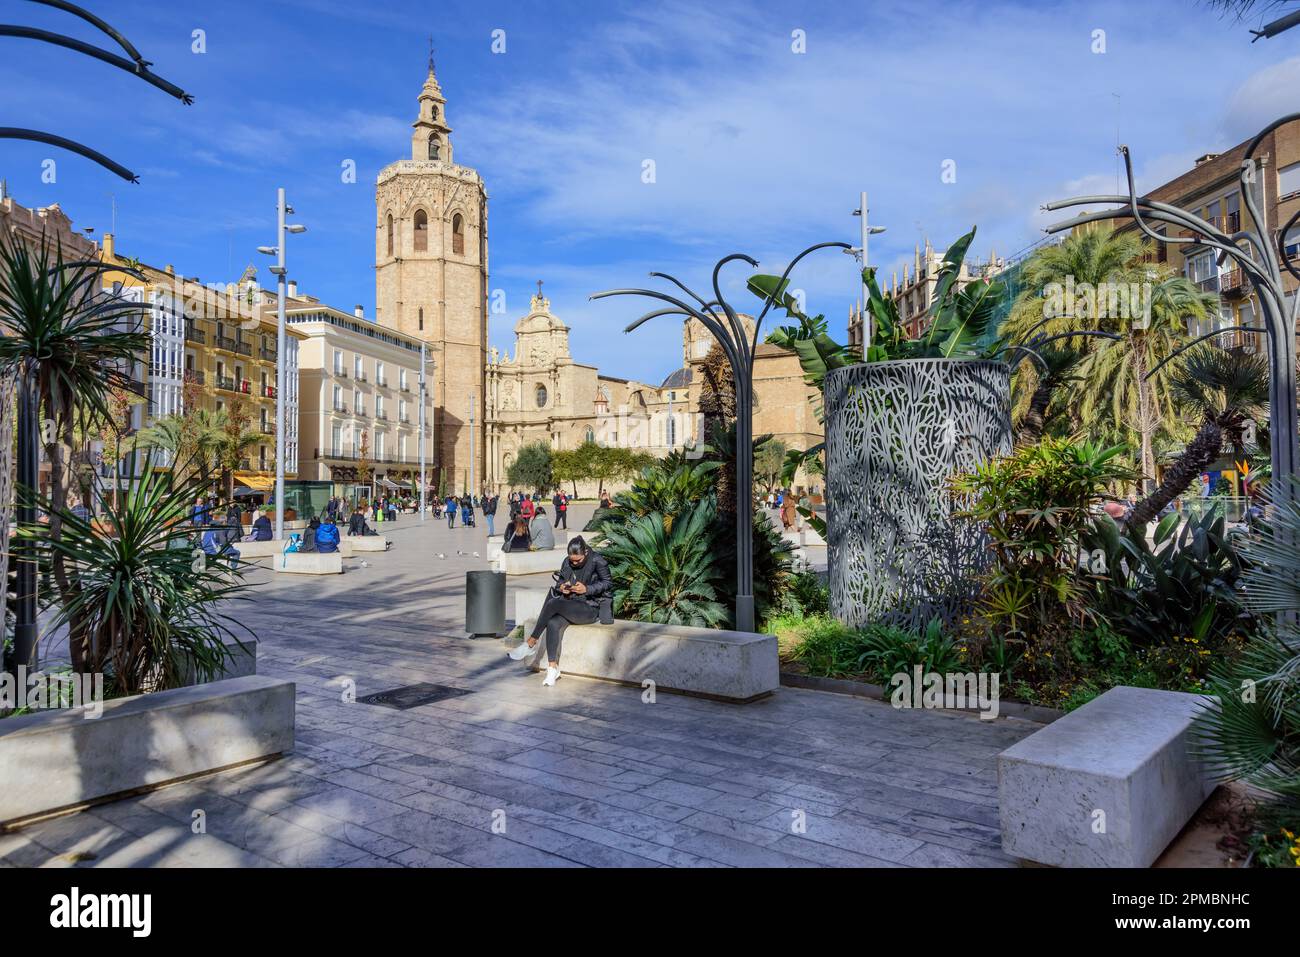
(327, 538)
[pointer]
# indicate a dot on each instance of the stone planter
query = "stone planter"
(895, 432)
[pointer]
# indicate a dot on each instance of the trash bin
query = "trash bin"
(485, 603)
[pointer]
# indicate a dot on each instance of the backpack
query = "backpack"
(293, 544)
(327, 538)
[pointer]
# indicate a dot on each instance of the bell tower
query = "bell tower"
(431, 280)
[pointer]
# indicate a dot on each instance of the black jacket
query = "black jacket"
(594, 573)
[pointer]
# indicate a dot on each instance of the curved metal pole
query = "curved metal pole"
(71, 43)
(36, 136)
(1028, 352)
(1198, 340)
(99, 24)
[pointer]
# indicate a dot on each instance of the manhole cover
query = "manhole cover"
(412, 696)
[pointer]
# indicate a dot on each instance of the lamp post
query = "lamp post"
(861, 252)
(283, 209)
(723, 322)
(423, 480)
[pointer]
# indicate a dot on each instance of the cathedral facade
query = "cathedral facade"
(431, 284)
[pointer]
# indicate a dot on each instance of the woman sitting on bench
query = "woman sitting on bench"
(582, 594)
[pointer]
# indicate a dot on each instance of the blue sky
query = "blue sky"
(757, 148)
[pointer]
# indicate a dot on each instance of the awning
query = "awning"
(259, 483)
(392, 485)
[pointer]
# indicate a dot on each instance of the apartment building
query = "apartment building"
(214, 347)
(360, 400)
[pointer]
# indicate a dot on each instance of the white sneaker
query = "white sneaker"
(552, 676)
(521, 650)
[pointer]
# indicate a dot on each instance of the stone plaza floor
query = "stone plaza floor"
(514, 774)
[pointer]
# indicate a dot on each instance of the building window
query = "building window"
(421, 231)
(337, 439)
(421, 318)
(401, 378)
(379, 446)
(356, 367)
(390, 234)
(338, 362)
(541, 396)
(590, 436)
(1288, 180)
(338, 398)
(434, 147)
(458, 235)
(1292, 243)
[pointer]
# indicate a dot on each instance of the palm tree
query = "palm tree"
(1058, 365)
(1226, 388)
(1118, 371)
(231, 438)
(72, 343)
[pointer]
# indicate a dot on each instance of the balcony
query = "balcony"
(194, 334)
(196, 376)
(234, 385)
(404, 387)
(267, 354)
(361, 377)
(359, 411)
(340, 407)
(404, 419)
(341, 373)
(1231, 285)
(224, 342)
(381, 381)
(268, 392)
(244, 349)
(381, 416)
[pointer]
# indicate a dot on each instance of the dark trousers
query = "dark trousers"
(556, 615)
(561, 517)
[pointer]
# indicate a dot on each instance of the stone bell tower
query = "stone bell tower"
(431, 280)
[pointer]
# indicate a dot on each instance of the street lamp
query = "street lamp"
(283, 209)
(861, 253)
(722, 320)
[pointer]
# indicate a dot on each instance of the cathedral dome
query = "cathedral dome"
(677, 380)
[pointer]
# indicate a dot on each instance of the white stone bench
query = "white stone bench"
(309, 563)
(529, 563)
(1108, 785)
(250, 551)
(735, 666)
(528, 602)
(57, 760)
(367, 543)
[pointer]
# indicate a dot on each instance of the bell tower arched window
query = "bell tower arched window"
(390, 234)
(458, 235)
(421, 231)
(434, 147)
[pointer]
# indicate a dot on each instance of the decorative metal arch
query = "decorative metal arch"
(133, 63)
(1262, 261)
(723, 322)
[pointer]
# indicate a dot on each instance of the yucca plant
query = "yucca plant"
(665, 573)
(1251, 729)
(146, 598)
(74, 343)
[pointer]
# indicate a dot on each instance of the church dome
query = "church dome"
(677, 380)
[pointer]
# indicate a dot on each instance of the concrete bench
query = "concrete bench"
(366, 543)
(735, 666)
(309, 563)
(251, 551)
(241, 662)
(56, 760)
(1108, 785)
(529, 563)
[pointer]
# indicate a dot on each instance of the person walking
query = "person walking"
(490, 513)
(527, 509)
(451, 509)
(787, 512)
(560, 502)
(580, 596)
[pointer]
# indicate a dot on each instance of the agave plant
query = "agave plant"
(146, 600)
(1251, 729)
(668, 568)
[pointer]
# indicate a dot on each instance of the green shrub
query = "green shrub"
(827, 648)
(806, 594)
(886, 650)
